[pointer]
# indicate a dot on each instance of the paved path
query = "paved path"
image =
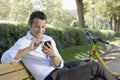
(113, 56)
(114, 64)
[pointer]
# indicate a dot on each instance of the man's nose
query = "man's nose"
(40, 30)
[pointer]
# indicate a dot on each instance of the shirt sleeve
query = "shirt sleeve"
(10, 54)
(57, 53)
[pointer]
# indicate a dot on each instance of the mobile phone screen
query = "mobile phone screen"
(49, 42)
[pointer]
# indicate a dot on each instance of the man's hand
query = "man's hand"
(35, 43)
(50, 53)
(48, 50)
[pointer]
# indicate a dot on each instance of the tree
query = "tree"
(16, 10)
(80, 12)
(111, 11)
(107, 14)
(56, 15)
(4, 9)
(114, 9)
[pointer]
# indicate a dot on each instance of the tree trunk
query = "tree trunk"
(110, 22)
(115, 22)
(118, 26)
(80, 13)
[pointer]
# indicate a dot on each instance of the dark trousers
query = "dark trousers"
(75, 71)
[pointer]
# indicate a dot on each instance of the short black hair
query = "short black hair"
(37, 14)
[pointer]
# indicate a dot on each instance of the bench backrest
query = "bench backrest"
(14, 71)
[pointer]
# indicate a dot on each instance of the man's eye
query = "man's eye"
(43, 27)
(36, 27)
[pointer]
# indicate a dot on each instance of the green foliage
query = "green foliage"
(67, 37)
(106, 14)
(16, 10)
(74, 23)
(55, 13)
(19, 10)
(64, 37)
(9, 34)
(117, 34)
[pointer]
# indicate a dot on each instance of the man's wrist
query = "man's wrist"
(52, 57)
(30, 49)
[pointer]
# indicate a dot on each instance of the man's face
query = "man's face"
(37, 28)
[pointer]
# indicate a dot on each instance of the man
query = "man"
(44, 61)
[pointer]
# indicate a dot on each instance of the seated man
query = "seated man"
(44, 61)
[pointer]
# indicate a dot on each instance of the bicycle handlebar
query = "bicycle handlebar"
(95, 39)
(101, 40)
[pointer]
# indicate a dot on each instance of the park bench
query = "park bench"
(14, 71)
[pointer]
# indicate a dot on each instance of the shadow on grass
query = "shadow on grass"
(78, 52)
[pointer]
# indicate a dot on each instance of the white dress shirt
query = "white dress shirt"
(36, 61)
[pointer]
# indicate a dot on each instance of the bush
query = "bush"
(64, 37)
(117, 34)
(9, 34)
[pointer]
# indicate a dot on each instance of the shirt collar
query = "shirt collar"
(29, 36)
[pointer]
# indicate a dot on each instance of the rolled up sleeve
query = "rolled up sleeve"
(8, 57)
(10, 54)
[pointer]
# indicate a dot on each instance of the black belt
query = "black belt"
(52, 75)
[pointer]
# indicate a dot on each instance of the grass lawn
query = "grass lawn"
(77, 52)
(115, 42)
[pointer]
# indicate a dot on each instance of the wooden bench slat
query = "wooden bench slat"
(19, 75)
(14, 71)
(9, 67)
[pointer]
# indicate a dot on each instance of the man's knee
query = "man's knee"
(97, 64)
(72, 64)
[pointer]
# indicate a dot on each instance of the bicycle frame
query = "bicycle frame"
(98, 57)
(94, 52)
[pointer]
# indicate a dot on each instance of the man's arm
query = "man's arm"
(34, 44)
(50, 53)
(22, 52)
(56, 60)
